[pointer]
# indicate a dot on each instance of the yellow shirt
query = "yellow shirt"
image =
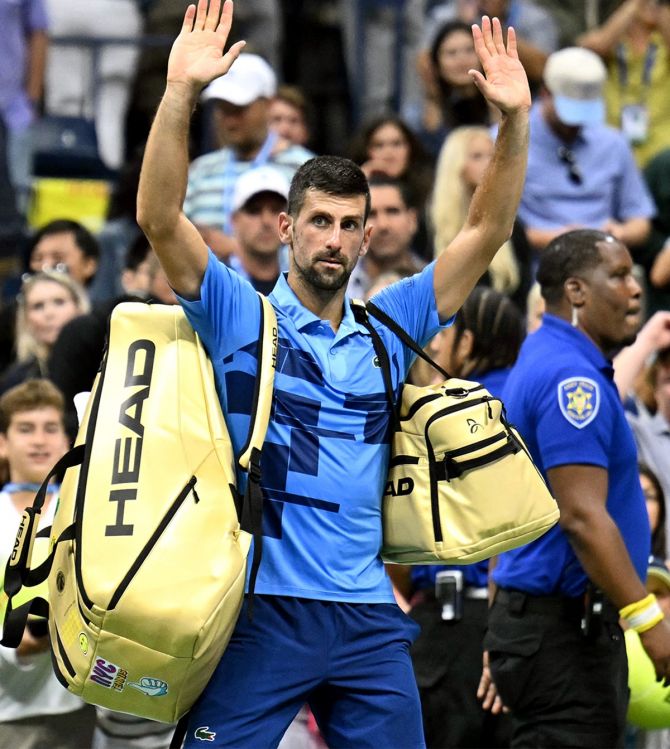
(632, 90)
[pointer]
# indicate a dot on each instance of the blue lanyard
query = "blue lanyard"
(649, 62)
(230, 176)
(28, 486)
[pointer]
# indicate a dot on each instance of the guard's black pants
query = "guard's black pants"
(564, 689)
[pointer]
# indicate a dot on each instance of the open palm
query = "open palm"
(504, 82)
(197, 55)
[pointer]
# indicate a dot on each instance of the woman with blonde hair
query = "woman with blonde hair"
(463, 159)
(47, 301)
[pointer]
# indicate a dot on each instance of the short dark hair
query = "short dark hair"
(568, 255)
(83, 238)
(406, 192)
(137, 253)
(497, 326)
(333, 175)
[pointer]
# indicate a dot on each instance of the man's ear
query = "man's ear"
(575, 291)
(367, 233)
(3, 446)
(464, 345)
(286, 228)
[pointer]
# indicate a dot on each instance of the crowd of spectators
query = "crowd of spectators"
(422, 133)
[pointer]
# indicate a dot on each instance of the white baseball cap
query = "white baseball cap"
(249, 78)
(575, 77)
(255, 181)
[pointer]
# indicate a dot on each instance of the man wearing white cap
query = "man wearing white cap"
(260, 196)
(240, 102)
(581, 173)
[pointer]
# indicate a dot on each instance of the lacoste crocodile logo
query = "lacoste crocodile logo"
(204, 734)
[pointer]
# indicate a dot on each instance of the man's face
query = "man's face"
(662, 387)
(611, 314)
(394, 224)
(34, 441)
(56, 249)
(288, 121)
(326, 239)
(256, 224)
(242, 128)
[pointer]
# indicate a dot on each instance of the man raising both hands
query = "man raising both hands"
(325, 629)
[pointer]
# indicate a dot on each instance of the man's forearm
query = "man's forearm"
(495, 202)
(601, 550)
(164, 176)
(37, 55)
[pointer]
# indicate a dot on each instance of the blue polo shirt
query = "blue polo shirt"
(562, 397)
(325, 458)
(474, 575)
(612, 186)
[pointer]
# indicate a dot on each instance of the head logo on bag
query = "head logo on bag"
(124, 447)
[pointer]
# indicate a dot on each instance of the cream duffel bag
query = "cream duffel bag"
(461, 485)
(146, 577)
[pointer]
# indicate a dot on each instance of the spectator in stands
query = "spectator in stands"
(654, 255)
(481, 345)
(655, 501)
(24, 46)
(387, 146)
(464, 157)
(48, 300)
(260, 196)
(537, 34)
(90, 80)
(240, 107)
(635, 43)
(451, 98)
(290, 115)
(581, 173)
(652, 431)
(35, 710)
(574, 17)
(67, 246)
(394, 221)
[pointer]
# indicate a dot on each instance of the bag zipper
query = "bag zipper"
(434, 500)
(434, 396)
(155, 536)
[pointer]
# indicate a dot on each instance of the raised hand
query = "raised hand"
(504, 82)
(197, 55)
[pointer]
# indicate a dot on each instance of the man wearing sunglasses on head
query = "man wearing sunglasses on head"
(581, 173)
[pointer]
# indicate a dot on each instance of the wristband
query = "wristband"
(642, 615)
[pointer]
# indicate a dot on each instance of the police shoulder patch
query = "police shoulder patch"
(579, 400)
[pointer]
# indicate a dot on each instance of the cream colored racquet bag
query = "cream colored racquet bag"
(461, 485)
(146, 577)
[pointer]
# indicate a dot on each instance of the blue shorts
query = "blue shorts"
(349, 661)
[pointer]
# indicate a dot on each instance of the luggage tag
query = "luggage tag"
(635, 123)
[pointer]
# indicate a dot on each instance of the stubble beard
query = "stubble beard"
(324, 280)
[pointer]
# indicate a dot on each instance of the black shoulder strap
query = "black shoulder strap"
(361, 316)
(393, 326)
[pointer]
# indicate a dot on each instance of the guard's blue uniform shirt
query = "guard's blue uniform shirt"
(562, 397)
(325, 458)
(474, 575)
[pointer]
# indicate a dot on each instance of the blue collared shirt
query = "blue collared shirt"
(562, 397)
(612, 186)
(19, 19)
(325, 458)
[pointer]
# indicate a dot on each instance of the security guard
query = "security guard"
(556, 650)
